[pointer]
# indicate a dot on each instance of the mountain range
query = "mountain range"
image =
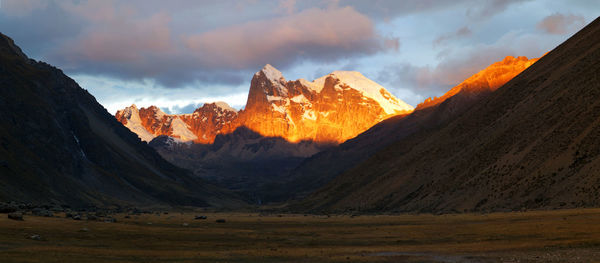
(520, 134)
(251, 151)
(328, 110)
(277, 168)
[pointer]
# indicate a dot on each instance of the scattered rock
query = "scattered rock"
(56, 208)
(16, 216)
(220, 220)
(200, 217)
(185, 224)
(76, 217)
(110, 220)
(101, 214)
(42, 212)
(35, 237)
(8, 208)
(91, 217)
(85, 229)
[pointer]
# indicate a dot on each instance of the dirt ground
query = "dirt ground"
(538, 236)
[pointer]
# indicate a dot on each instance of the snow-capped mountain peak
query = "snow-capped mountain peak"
(294, 110)
(370, 89)
(273, 82)
(272, 73)
(130, 117)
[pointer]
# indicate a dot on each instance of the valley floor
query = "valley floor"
(539, 236)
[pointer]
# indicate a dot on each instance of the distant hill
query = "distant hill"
(534, 143)
(58, 145)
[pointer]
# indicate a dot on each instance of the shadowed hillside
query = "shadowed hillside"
(433, 113)
(533, 143)
(58, 145)
(243, 161)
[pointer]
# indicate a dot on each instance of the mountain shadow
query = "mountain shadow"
(59, 145)
(252, 165)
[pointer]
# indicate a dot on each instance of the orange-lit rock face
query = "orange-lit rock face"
(201, 126)
(331, 109)
(492, 78)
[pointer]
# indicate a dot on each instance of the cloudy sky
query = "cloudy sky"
(179, 54)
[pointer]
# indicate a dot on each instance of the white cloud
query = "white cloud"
(116, 94)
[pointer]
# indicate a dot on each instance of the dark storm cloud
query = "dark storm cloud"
(38, 27)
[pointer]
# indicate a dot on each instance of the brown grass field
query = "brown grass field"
(537, 236)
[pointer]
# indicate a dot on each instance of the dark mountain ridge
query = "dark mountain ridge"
(59, 145)
(432, 114)
(534, 143)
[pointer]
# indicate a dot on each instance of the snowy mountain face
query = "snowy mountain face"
(368, 88)
(201, 126)
(330, 109)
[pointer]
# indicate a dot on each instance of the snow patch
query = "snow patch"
(280, 109)
(134, 123)
(159, 114)
(300, 99)
(80, 149)
(311, 85)
(309, 115)
(272, 73)
(223, 105)
(273, 98)
(181, 129)
(275, 77)
(368, 88)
